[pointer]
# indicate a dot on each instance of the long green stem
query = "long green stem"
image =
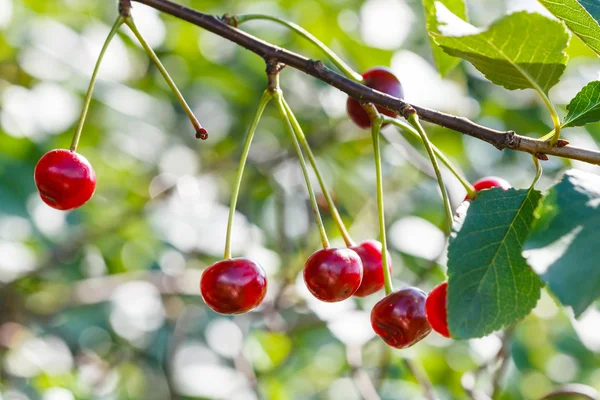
(313, 200)
(200, 131)
(335, 59)
(413, 119)
(313, 162)
(440, 155)
(538, 171)
(264, 100)
(376, 122)
(553, 115)
(88, 95)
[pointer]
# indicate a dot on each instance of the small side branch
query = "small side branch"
(500, 139)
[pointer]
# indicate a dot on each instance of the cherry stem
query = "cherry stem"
(264, 100)
(90, 90)
(376, 122)
(538, 171)
(313, 200)
(413, 119)
(335, 59)
(553, 115)
(201, 132)
(440, 155)
(313, 162)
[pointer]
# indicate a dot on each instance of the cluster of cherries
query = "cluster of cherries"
(66, 180)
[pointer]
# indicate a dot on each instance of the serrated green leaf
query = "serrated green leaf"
(520, 51)
(563, 246)
(489, 283)
(584, 108)
(582, 17)
(444, 62)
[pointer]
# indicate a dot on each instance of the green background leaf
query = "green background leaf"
(563, 246)
(490, 285)
(584, 108)
(519, 51)
(581, 17)
(444, 62)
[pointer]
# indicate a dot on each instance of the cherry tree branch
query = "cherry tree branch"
(500, 139)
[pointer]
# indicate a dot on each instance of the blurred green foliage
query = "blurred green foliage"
(103, 302)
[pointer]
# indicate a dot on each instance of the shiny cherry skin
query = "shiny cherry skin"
(333, 274)
(399, 318)
(369, 252)
(233, 286)
(383, 80)
(489, 183)
(436, 311)
(64, 179)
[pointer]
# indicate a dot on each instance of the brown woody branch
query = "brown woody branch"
(500, 139)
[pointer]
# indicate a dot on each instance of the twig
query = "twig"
(576, 391)
(421, 378)
(361, 379)
(503, 357)
(268, 51)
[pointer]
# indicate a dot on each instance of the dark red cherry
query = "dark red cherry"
(435, 309)
(233, 286)
(369, 252)
(333, 274)
(65, 179)
(399, 318)
(489, 183)
(383, 80)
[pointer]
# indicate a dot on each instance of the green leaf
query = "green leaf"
(563, 246)
(519, 51)
(489, 283)
(581, 16)
(584, 108)
(443, 61)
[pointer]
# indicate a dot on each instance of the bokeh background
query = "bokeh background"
(103, 302)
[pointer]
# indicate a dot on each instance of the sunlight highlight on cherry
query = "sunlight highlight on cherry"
(383, 80)
(233, 286)
(436, 309)
(399, 318)
(333, 274)
(64, 179)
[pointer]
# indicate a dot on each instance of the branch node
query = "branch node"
(541, 156)
(562, 143)
(125, 8)
(316, 65)
(408, 111)
(274, 67)
(231, 20)
(511, 140)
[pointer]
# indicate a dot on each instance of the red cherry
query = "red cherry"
(369, 252)
(435, 309)
(383, 80)
(490, 182)
(233, 286)
(65, 179)
(333, 274)
(399, 318)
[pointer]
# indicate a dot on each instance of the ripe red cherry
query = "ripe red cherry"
(369, 252)
(399, 318)
(383, 80)
(435, 309)
(490, 182)
(333, 274)
(233, 286)
(64, 179)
